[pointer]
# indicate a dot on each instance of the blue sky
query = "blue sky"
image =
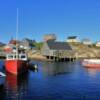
(39, 17)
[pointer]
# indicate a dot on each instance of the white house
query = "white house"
(72, 39)
(97, 44)
(87, 42)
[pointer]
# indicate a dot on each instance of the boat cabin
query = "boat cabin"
(17, 56)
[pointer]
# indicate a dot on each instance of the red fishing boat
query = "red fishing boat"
(16, 61)
(92, 63)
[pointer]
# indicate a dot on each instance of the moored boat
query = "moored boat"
(16, 63)
(16, 60)
(92, 63)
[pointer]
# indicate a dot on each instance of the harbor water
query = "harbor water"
(53, 81)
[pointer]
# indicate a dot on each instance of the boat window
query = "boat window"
(14, 48)
(10, 56)
(23, 56)
(16, 56)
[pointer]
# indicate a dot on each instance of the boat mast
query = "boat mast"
(17, 35)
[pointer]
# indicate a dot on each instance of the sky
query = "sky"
(38, 17)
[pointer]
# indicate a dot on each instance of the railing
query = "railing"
(17, 56)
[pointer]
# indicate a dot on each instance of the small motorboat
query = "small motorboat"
(92, 63)
(2, 78)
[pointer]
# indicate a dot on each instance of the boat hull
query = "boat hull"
(91, 63)
(16, 67)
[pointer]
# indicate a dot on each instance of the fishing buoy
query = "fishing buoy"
(35, 67)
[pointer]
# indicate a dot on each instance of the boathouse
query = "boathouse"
(57, 50)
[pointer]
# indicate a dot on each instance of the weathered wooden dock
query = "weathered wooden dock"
(62, 56)
(58, 51)
(2, 54)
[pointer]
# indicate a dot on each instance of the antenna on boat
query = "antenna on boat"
(16, 33)
(17, 25)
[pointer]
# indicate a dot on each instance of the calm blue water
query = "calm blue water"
(53, 81)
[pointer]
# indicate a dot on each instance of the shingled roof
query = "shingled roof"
(59, 45)
(72, 37)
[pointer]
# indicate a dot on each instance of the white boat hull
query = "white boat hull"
(94, 63)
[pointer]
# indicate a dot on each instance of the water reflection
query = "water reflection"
(57, 68)
(93, 71)
(2, 89)
(62, 81)
(1, 65)
(16, 86)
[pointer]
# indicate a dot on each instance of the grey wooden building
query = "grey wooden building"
(27, 43)
(57, 50)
